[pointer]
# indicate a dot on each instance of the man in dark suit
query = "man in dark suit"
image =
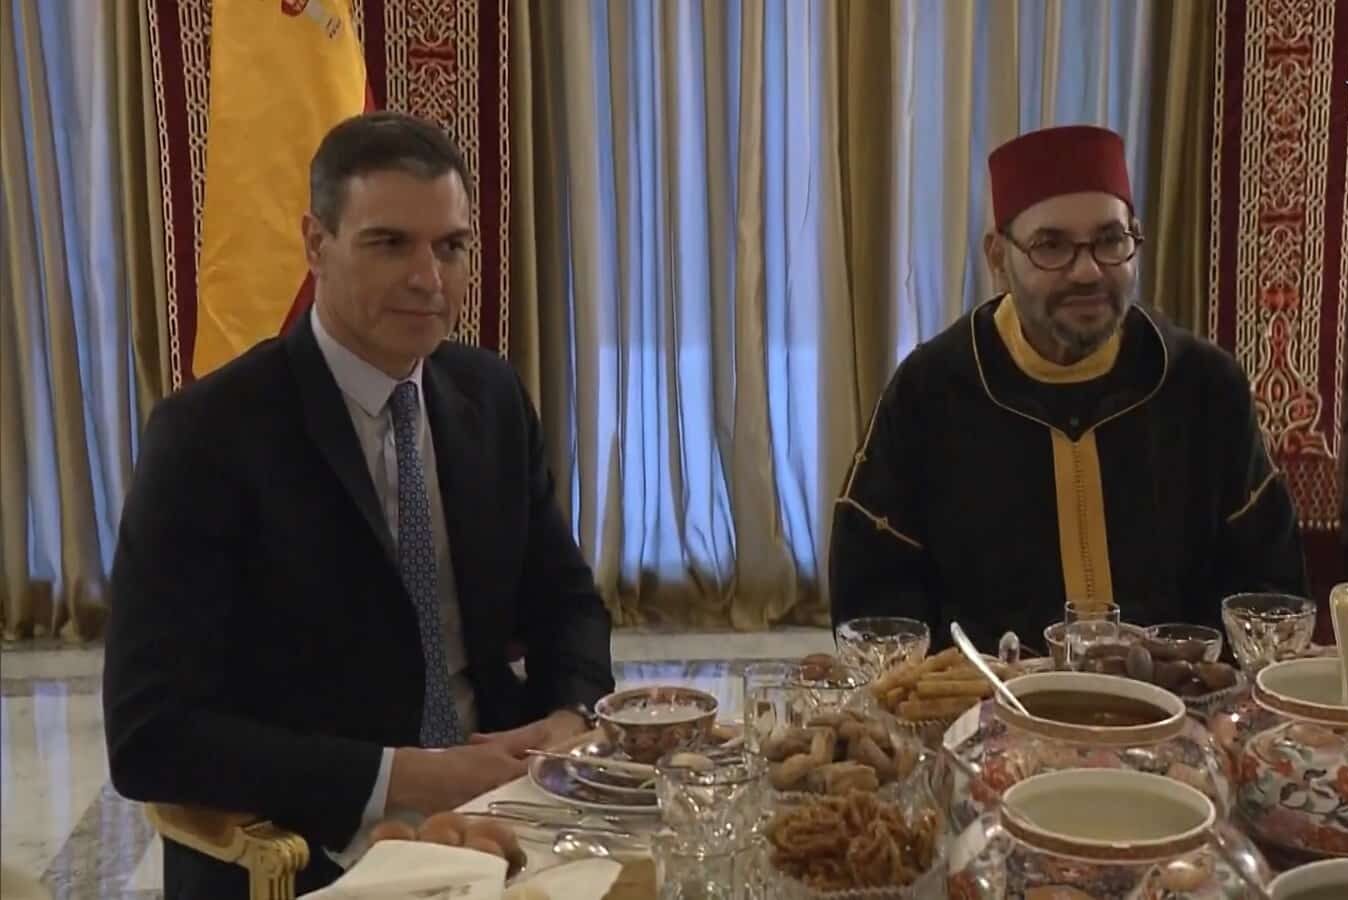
(331, 543)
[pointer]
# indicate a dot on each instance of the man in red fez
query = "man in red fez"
(1061, 442)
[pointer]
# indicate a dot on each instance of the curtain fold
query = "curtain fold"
(142, 213)
(71, 385)
(742, 215)
(1175, 276)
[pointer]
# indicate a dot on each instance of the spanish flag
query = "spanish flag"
(283, 72)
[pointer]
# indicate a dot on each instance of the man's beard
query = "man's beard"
(1081, 342)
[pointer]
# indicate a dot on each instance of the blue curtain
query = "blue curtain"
(712, 393)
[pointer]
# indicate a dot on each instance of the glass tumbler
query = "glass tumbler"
(878, 643)
(1264, 628)
(689, 873)
(778, 696)
(715, 801)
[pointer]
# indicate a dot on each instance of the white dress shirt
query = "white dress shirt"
(366, 391)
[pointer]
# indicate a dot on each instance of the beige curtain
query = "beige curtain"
(1175, 274)
(142, 213)
(73, 295)
(714, 276)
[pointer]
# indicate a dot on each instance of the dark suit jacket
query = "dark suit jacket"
(261, 648)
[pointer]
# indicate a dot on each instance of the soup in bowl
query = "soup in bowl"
(1080, 720)
(644, 724)
(1080, 706)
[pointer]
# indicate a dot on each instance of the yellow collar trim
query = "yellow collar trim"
(1031, 363)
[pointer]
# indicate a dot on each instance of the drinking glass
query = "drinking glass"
(780, 695)
(1087, 625)
(1087, 611)
(1081, 637)
(719, 803)
(1264, 628)
(690, 873)
(765, 684)
(877, 643)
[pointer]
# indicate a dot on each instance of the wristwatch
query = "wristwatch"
(586, 712)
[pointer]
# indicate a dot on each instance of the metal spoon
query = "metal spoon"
(971, 653)
(578, 845)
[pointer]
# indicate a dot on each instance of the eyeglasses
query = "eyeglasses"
(1053, 254)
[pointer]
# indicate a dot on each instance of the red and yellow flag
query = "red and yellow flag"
(283, 72)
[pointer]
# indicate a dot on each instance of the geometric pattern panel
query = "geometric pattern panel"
(442, 60)
(1279, 271)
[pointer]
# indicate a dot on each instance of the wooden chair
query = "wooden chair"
(272, 856)
(269, 854)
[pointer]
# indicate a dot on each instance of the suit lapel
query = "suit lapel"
(328, 423)
(456, 435)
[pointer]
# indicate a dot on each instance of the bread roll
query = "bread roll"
(502, 836)
(392, 830)
(443, 828)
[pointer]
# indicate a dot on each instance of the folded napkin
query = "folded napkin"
(584, 879)
(404, 870)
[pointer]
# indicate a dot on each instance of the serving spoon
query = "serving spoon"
(971, 653)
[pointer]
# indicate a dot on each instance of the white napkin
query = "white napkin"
(402, 870)
(583, 879)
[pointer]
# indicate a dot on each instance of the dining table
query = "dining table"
(635, 882)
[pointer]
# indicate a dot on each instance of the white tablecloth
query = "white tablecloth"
(540, 851)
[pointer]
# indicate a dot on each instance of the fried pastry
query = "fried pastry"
(852, 841)
(843, 777)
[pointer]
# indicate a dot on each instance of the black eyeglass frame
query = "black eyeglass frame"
(1138, 241)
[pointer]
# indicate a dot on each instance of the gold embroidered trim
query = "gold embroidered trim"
(1083, 538)
(1028, 360)
(1254, 497)
(865, 445)
(881, 523)
(982, 377)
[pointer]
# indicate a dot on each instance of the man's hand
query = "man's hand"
(431, 781)
(541, 735)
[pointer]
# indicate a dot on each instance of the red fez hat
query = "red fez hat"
(1068, 160)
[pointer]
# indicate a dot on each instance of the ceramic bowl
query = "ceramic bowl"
(1049, 839)
(1005, 747)
(646, 723)
(1314, 881)
(1289, 748)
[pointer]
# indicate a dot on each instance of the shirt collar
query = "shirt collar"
(362, 382)
(1098, 363)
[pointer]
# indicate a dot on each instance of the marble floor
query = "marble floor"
(64, 830)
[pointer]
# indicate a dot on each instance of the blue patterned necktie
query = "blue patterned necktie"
(440, 725)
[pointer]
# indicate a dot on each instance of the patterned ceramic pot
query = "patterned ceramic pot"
(1005, 747)
(1050, 840)
(1289, 746)
(646, 723)
(1324, 878)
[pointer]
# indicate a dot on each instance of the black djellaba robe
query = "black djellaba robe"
(992, 486)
